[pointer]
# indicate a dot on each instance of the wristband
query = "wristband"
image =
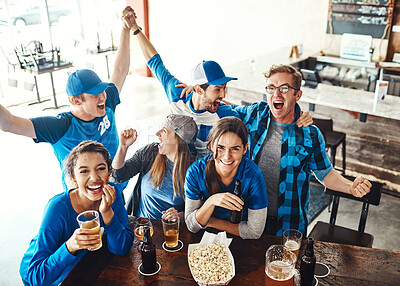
(137, 31)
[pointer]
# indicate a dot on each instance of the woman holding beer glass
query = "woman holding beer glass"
(161, 167)
(211, 180)
(61, 243)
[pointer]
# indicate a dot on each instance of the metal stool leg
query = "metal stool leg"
(37, 93)
(333, 156)
(344, 155)
(333, 159)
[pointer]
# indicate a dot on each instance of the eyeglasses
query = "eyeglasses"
(282, 89)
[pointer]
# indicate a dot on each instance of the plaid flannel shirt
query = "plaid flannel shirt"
(303, 151)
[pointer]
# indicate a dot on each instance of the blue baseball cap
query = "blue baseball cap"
(209, 72)
(85, 81)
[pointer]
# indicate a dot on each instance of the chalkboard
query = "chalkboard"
(365, 17)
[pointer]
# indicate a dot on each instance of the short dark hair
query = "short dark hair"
(204, 86)
(296, 75)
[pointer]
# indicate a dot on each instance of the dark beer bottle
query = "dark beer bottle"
(307, 265)
(148, 251)
(236, 216)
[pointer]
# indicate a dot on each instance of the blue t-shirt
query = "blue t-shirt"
(48, 261)
(204, 119)
(65, 131)
(153, 200)
(254, 191)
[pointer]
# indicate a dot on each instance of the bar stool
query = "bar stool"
(330, 232)
(332, 139)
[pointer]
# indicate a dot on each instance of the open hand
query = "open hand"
(305, 119)
(187, 89)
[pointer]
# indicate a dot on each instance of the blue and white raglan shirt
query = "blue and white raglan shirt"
(48, 261)
(65, 131)
(254, 190)
(204, 119)
(303, 151)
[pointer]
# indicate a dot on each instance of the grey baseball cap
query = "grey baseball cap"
(185, 127)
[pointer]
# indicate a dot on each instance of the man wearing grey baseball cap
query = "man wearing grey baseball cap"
(93, 106)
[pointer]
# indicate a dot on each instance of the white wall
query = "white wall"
(187, 31)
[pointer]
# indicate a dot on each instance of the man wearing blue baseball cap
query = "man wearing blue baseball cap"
(204, 104)
(93, 106)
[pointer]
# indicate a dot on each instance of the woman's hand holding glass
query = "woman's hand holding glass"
(170, 214)
(82, 239)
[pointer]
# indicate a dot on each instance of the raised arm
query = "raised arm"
(15, 124)
(147, 47)
(126, 139)
(122, 61)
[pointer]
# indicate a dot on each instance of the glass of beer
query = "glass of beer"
(279, 266)
(90, 220)
(140, 224)
(292, 240)
(171, 232)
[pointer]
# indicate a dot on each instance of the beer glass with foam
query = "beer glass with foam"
(171, 232)
(292, 240)
(279, 266)
(90, 220)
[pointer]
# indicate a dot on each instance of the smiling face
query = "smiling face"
(282, 105)
(212, 97)
(228, 152)
(91, 174)
(168, 144)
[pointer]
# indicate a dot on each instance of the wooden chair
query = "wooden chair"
(330, 232)
(332, 139)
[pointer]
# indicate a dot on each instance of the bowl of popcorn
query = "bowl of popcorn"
(210, 261)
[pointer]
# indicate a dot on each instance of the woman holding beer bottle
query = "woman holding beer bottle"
(210, 182)
(61, 243)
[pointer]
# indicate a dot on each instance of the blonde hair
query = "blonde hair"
(182, 161)
(296, 75)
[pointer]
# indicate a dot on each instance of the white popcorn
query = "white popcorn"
(211, 264)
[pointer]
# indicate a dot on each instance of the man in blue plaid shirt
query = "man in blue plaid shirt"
(287, 154)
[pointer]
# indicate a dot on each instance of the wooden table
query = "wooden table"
(349, 265)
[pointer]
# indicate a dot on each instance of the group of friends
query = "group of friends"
(204, 147)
